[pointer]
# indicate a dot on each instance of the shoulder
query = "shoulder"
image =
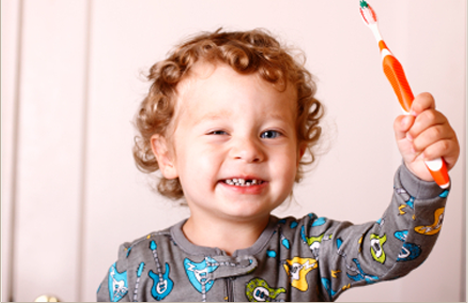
(303, 226)
(145, 243)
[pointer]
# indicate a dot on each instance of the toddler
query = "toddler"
(230, 121)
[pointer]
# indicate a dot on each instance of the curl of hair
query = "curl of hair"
(246, 52)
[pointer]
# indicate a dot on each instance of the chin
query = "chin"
(243, 212)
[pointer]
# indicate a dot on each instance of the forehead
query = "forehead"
(212, 90)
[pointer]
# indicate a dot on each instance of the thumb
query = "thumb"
(401, 125)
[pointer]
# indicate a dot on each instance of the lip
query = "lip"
(249, 190)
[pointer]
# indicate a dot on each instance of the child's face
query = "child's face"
(232, 126)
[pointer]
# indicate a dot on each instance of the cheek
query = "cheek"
(198, 163)
(285, 164)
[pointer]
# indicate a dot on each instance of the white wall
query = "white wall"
(71, 69)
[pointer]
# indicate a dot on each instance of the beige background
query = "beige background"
(71, 83)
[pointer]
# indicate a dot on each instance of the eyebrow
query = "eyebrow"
(224, 114)
(215, 116)
(276, 116)
(212, 116)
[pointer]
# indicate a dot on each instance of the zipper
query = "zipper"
(230, 295)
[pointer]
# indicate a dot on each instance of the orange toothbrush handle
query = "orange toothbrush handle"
(438, 170)
(396, 76)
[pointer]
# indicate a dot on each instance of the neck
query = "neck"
(224, 234)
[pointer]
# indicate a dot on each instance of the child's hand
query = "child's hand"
(425, 135)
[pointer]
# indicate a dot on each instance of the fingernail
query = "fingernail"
(409, 137)
(413, 113)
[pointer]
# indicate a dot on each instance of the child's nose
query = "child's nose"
(247, 150)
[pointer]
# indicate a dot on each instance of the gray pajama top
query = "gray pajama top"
(307, 259)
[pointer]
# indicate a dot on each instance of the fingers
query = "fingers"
(430, 122)
(423, 115)
(431, 134)
(438, 134)
(401, 126)
(450, 148)
(421, 103)
(426, 135)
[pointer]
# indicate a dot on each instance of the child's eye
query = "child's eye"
(270, 134)
(218, 132)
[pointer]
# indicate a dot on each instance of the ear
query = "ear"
(301, 151)
(164, 156)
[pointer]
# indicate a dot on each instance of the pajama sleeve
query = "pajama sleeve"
(354, 255)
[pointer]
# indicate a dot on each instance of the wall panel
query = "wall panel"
(49, 152)
(11, 28)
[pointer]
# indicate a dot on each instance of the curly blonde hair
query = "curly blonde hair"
(247, 52)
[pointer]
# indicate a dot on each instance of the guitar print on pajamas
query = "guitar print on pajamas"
(118, 286)
(312, 242)
(435, 227)
(197, 274)
(409, 251)
(297, 268)
(360, 274)
(162, 284)
(257, 290)
(376, 247)
(328, 287)
(137, 284)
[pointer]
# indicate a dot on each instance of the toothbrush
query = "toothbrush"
(396, 76)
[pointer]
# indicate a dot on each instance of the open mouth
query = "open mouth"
(243, 182)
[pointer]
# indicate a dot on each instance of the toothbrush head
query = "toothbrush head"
(367, 13)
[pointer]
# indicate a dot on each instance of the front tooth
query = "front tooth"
(254, 182)
(247, 184)
(229, 182)
(234, 180)
(241, 181)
